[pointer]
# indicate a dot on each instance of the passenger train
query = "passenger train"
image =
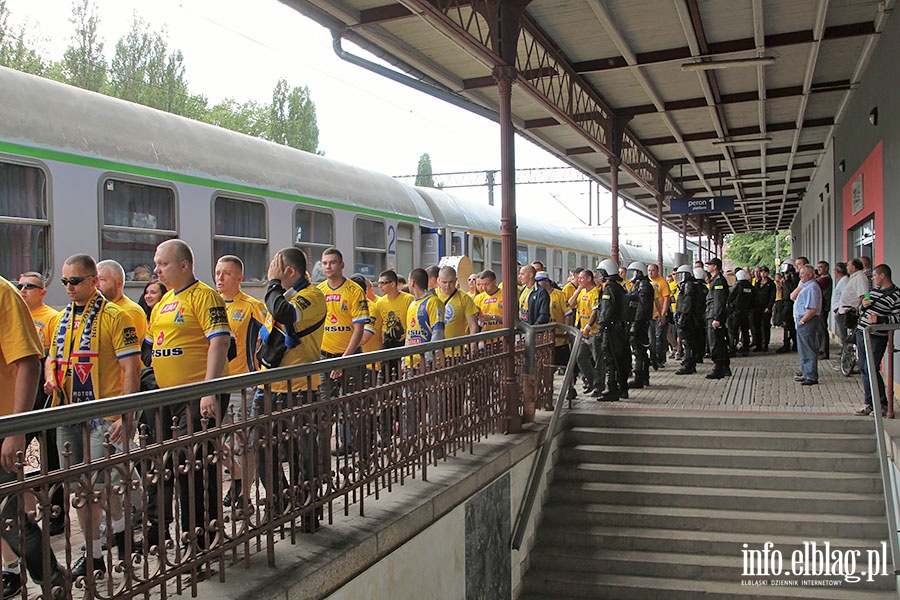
(83, 172)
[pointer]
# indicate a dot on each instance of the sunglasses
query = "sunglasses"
(72, 280)
(29, 286)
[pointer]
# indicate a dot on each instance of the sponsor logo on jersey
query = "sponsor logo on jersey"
(167, 352)
(333, 319)
(161, 338)
(83, 370)
(168, 307)
(237, 315)
(332, 297)
(129, 336)
(179, 316)
(218, 316)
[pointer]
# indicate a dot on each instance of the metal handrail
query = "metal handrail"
(888, 476)
(530, 332)
(537, 469)
(24, 423)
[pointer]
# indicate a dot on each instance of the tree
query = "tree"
(250, 117)
(83, 63)
(292, 118)
(15, 51)
(757, 248)
(424, 173)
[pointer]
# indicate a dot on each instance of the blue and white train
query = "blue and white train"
(83, 172)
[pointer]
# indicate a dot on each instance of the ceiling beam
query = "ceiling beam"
(745, 154)
(755, 130)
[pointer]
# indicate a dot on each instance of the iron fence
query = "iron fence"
(331, 445)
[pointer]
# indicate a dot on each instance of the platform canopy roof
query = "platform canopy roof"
(698, 97)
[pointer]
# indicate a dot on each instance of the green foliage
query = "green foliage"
(757, 248)
(15, 51)
(248, 117)
(83, 63)
(292, 118)
(424, 173)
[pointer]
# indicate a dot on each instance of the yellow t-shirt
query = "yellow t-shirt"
(18, 339)
(346, 305)
(309, 306)
(524, 293)
(458, 307)
(660, 293)
(491, 304)
(42, 316)
(673, 292)
(587, 300)
(246, 316)
(390, 318)
(181, 325)
(137, 314)
(117, 339)
(424, 317)
(569, 290)
(559, 308)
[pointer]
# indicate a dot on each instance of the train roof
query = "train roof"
(79, 125)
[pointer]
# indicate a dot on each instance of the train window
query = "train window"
(371, 249)
(314, 233)
(522, 254)
(497, 259)
(585, 264)
(571, 263)
(241, 229)
(405, 252)
(477, 253)
(23, 220)
(137, 217)
(540, 254)
(558, 266)
(457, 243)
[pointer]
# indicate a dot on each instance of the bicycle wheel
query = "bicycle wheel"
(848, 359)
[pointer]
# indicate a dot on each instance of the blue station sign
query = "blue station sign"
(701, 204)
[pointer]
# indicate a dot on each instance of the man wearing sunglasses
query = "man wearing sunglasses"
(94, 354)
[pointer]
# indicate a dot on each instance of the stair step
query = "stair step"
(623, 587)
(798, 525)
(588, 539)
(726, 499)
(664, 565)
(750, 440)
(722, 421)
(733, 459)
(719, 477)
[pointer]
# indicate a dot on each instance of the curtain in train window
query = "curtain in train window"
(558, 267)
(540, 254)
(24, 226)
(137, 217)
(371, 248)
(497, 259)
(313, 233)
(405, 257)
(477, 253)
(241, 230)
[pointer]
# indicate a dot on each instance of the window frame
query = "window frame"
(473, 240)
(411, 240)
(312, 260)
(497, 260)
(135, 180)
(47, 222)
(381, 251)
(222, 194)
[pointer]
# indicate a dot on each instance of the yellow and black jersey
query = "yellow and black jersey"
(390, 318)
(246, 316)
(42, 316)
(346, 305)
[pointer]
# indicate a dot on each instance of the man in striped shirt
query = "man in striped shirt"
(881, 305)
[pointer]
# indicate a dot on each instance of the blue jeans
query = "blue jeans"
(808, 349)
(879, 345)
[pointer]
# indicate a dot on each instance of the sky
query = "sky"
(239, 49)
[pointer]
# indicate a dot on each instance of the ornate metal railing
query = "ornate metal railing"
(389, 416)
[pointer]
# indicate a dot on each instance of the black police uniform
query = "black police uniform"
(763, 304)
(717, 337)
(740, 299)
(691, 324)
(790, 283)
(611, 308)
(640, 301)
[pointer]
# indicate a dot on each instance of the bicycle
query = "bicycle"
(849, 356)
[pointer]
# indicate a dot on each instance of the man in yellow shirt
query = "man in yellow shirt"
(460, 312)
(590, 360)
(659, 325)
(559, 313)
(111, 283)
(246, 316)
(298, 310)
(20, 353)
(425, 323)
(489, 302)
(572, 283)
(94, 354)
(188, 338)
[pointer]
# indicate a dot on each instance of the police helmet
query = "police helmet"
(787, 265)
(699, 274)
(683, 273)
(635, 270)
(742, 275)
(607, 268)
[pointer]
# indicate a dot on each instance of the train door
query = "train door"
(457, 242)
(432, 243)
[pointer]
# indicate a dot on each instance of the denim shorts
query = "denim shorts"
(74, 436)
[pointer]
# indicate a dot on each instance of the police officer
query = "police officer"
(716, 318)
(690, 322)
(763, 303)
(790, 283)
(610, 315)
(640, 302)
(740, 299)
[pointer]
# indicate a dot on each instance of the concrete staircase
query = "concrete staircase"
(659, 505)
